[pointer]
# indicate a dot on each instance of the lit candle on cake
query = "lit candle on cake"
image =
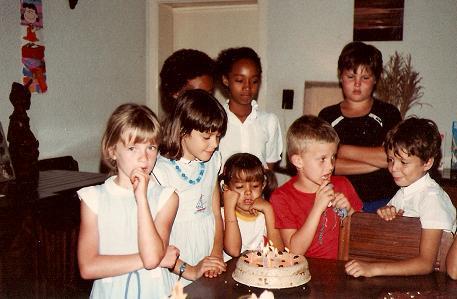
(264, 255)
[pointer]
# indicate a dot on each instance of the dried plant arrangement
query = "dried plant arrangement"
(399, 84)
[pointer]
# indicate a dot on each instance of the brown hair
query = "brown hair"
(179, 68)
(129, 123)
(197, 110)
(247, 167)
(418, 137)
(357, 54)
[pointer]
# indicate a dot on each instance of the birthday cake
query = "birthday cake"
(271, 270)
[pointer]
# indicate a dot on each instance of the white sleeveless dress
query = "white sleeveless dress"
(116, 211)
(194, 226)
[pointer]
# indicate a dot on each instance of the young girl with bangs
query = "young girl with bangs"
(126, 222)
(249, 218)
(189, 162)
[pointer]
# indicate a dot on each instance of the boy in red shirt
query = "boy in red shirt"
(308, 208)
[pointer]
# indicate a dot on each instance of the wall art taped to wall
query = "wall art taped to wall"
(34, 67)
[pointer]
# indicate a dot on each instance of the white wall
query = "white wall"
(301, 40)
(103, 53)
(95, 59)
(215, 28)
(304, 40)
(209, 24)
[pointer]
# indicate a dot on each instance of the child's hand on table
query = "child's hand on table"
(358, 268)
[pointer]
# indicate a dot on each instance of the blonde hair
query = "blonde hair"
(308, 128)
(129, 123)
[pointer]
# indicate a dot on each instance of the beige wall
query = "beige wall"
(214, 28)
(305, 38)
(95, 59)
(104, 53)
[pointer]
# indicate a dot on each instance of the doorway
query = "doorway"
(209, 26)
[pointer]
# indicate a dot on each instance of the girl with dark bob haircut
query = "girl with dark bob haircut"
(195, 110)
(190, 162)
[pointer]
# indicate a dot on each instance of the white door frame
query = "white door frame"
(152, 45)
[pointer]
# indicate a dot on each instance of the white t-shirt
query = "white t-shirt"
(427, 200)
(259, 134)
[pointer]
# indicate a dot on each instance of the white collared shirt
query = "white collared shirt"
(427, 200)
(260, 135)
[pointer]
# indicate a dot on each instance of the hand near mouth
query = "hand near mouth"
(259, 205)
(324, 195)
(139, 179)
(230, 198)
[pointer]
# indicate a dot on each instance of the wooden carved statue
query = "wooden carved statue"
(23, 146)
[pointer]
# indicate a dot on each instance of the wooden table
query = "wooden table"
(328, 280)
(39, 225)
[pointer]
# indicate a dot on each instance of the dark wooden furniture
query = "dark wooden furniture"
(448, 181)
(39, 228)
(328, 280)
(62, 163)
(367, 237)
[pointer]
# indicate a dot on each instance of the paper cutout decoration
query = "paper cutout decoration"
(32, 17)
(34, 67)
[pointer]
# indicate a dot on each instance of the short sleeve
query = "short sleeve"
(435, 214)
(90, 196)
(274, 145)
(217, 161)
(160, 172)
(164, 197)
(395, 201)
(281, 208)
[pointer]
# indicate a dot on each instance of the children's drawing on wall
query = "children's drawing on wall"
(34, 67)
(30, 17)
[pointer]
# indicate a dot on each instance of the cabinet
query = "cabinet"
(39, 228)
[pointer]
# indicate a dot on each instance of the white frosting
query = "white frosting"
(271, 271)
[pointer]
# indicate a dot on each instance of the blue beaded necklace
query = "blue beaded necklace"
(185, 177)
